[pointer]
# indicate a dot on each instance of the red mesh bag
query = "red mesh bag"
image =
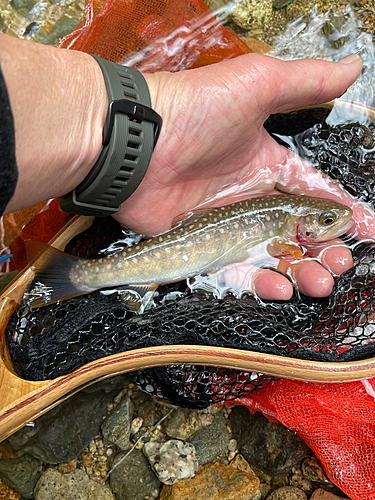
(337, 421)
(40, 222)
(154, 35)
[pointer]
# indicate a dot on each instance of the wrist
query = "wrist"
(58, 116)
(130, 134)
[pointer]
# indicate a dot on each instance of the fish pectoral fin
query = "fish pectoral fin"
(280, 248)
(136, 297)
(186, 217)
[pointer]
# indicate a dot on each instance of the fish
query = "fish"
(202, 241)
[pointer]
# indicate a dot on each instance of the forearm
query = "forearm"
(59, 103)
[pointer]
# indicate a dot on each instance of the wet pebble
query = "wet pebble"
(182, 423)
(21, 474)
(320, 494)
(211, 441)
(133, 478)
(269, 446)
(172, 461)
(214, 482)
(56, 486)
(287, 493)
(116, 427)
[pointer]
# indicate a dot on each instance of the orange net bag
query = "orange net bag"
(40, 222)
(154, 35)
(337, 421)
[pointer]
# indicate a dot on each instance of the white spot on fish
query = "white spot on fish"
(268, 218)
(236, 225)
(185, 258)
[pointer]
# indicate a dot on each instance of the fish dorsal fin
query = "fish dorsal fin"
(186, 217)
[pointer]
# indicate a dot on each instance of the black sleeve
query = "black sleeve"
(8, 165)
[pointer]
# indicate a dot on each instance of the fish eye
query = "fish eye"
(327, 218)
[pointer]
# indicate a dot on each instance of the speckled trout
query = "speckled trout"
(200, 242)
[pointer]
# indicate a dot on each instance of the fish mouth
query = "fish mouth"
(340, 230)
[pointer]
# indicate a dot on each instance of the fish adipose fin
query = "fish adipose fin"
(52, 268)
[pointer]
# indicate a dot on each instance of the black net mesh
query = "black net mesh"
(54, 340)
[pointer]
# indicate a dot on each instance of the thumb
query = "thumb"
(310, 81)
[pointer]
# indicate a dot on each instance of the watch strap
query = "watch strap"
(130, 134)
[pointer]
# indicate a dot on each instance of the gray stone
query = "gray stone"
(20, 474)
(172, 461)
(287, 493)
(211, 441)
(151, 412)
(268, 446)
(133, 479)
(116, 427)
(182, 423)
(64, 432)
(74, 486)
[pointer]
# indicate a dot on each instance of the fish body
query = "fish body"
(203, 243)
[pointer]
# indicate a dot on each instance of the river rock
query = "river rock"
(116, 427)
(74, 486)
(287, 493)
(214, 482)
(321, 494)
(211, 441)
(182, 424)
(20, 474)
(64, 432)
(266, 445)
(312, 470)
(133, 479)
(172, 461)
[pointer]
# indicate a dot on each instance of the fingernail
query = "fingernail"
(350, 59)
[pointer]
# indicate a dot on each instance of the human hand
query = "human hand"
(213, 150)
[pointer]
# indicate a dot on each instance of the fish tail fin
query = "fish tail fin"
(52, 269)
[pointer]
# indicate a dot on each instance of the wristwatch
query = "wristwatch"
(130, 134)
